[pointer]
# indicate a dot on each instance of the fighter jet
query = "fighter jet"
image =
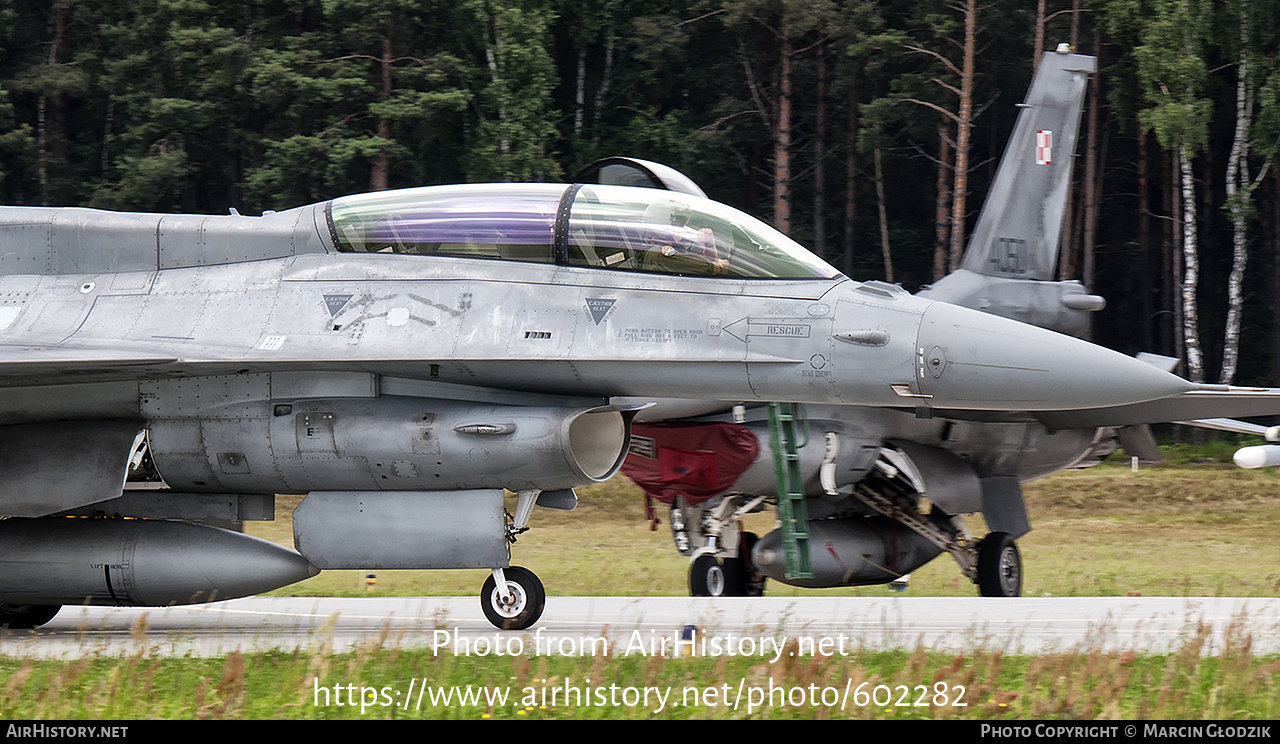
(866, 494)
(402, 358)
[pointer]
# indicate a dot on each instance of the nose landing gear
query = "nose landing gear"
(519, 603)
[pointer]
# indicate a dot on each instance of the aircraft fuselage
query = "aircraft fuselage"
(218, 303)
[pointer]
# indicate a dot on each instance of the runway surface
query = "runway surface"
(1153, 624)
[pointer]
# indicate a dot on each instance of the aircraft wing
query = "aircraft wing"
(1206, 403)
(1229, 425)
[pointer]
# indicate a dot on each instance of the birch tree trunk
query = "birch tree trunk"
(602, 91)
(1191, 271)
(1239, 190)
(1173, 257)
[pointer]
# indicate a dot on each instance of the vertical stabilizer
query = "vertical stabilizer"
(1008, 268)
(1021, 220)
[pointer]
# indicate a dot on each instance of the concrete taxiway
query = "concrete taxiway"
(1033, 625)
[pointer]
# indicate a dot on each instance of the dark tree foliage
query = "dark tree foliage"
(205, 105)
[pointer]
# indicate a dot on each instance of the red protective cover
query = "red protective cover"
(694, 460)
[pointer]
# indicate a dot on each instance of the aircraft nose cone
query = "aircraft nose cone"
(967, 359)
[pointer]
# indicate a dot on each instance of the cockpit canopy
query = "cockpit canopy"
(607, 227)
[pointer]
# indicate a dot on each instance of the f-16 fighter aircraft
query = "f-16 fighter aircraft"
(403, 357)
(867, 493)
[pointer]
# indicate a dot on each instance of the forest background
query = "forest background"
(869, 131)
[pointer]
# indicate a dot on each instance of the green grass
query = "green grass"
(1206, 530)
(991, 685)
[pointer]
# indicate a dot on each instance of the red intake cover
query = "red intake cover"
(694, 460)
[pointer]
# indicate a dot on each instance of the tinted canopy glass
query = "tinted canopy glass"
(608, 227)
(510, 221)
(667, 232)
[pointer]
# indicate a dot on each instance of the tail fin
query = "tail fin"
(1021, 220)
(1014, 247)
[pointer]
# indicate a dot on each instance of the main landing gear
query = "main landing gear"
(999, 566)
(715, 525)
(710, 576)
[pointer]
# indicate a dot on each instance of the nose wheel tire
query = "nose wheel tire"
(525, 603)
(999, 566)
(23, 617)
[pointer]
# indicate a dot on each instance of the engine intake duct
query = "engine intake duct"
(390, 443)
